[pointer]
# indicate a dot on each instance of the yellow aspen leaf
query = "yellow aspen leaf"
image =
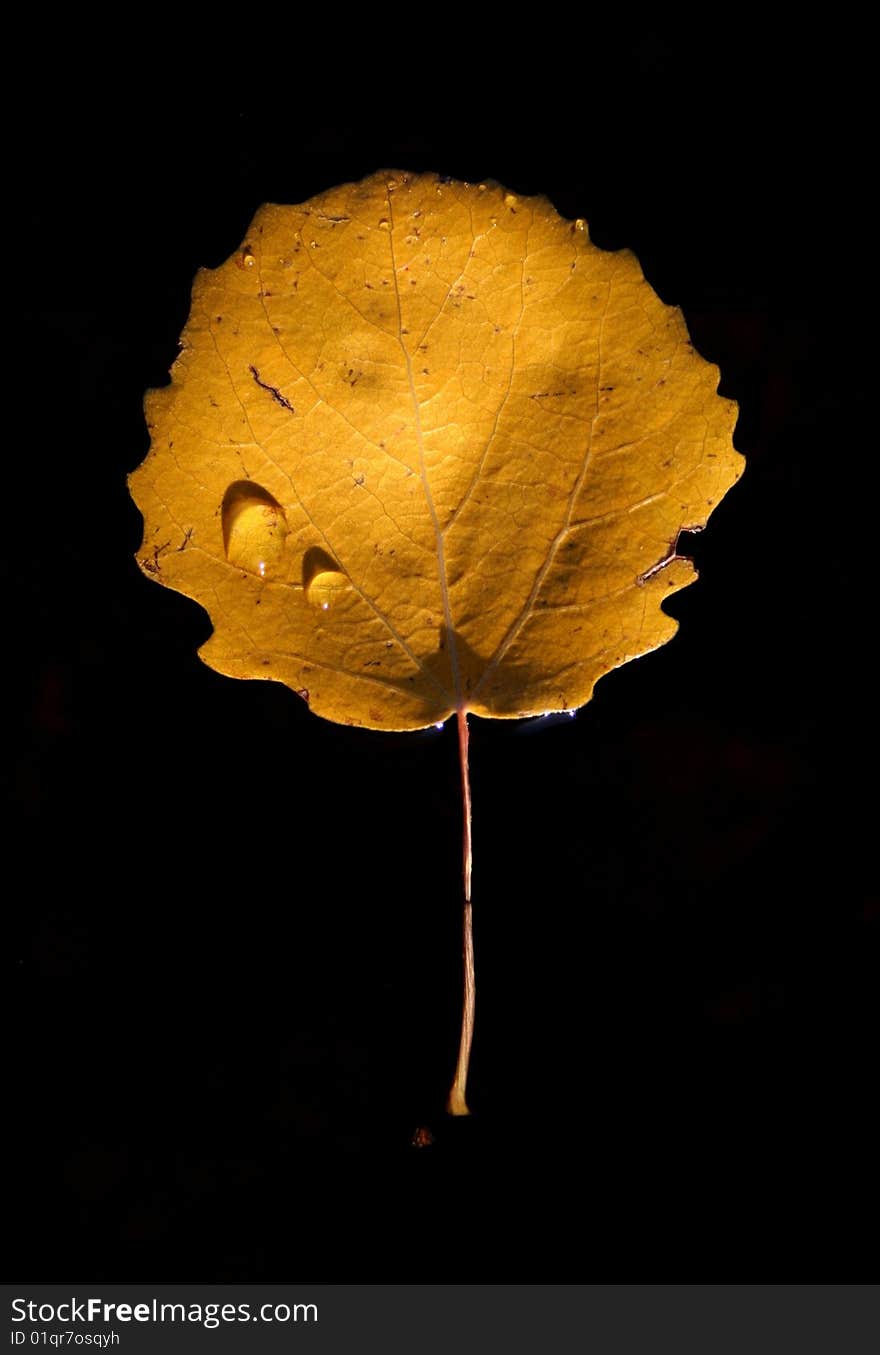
(427, 449)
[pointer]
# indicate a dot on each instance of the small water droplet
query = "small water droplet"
(245, 258)
(493, 221)
(481, 188)
(313, 244)
(510, 199)
(384, 224)
(324, 582)
(254, 528)
(439, 724)
(580, 224)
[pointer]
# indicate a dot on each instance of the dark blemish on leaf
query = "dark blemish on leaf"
(273, 390)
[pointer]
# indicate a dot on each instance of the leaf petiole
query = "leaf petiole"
(456, 1103)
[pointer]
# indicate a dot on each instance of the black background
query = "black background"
(236, 951)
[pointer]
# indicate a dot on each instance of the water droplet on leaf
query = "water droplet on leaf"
(254, 528)
(324, 582)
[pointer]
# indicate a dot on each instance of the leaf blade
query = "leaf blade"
(492, 431)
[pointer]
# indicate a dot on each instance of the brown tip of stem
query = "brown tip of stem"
(456, 1104)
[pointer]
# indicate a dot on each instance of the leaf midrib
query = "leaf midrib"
(423, 471)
